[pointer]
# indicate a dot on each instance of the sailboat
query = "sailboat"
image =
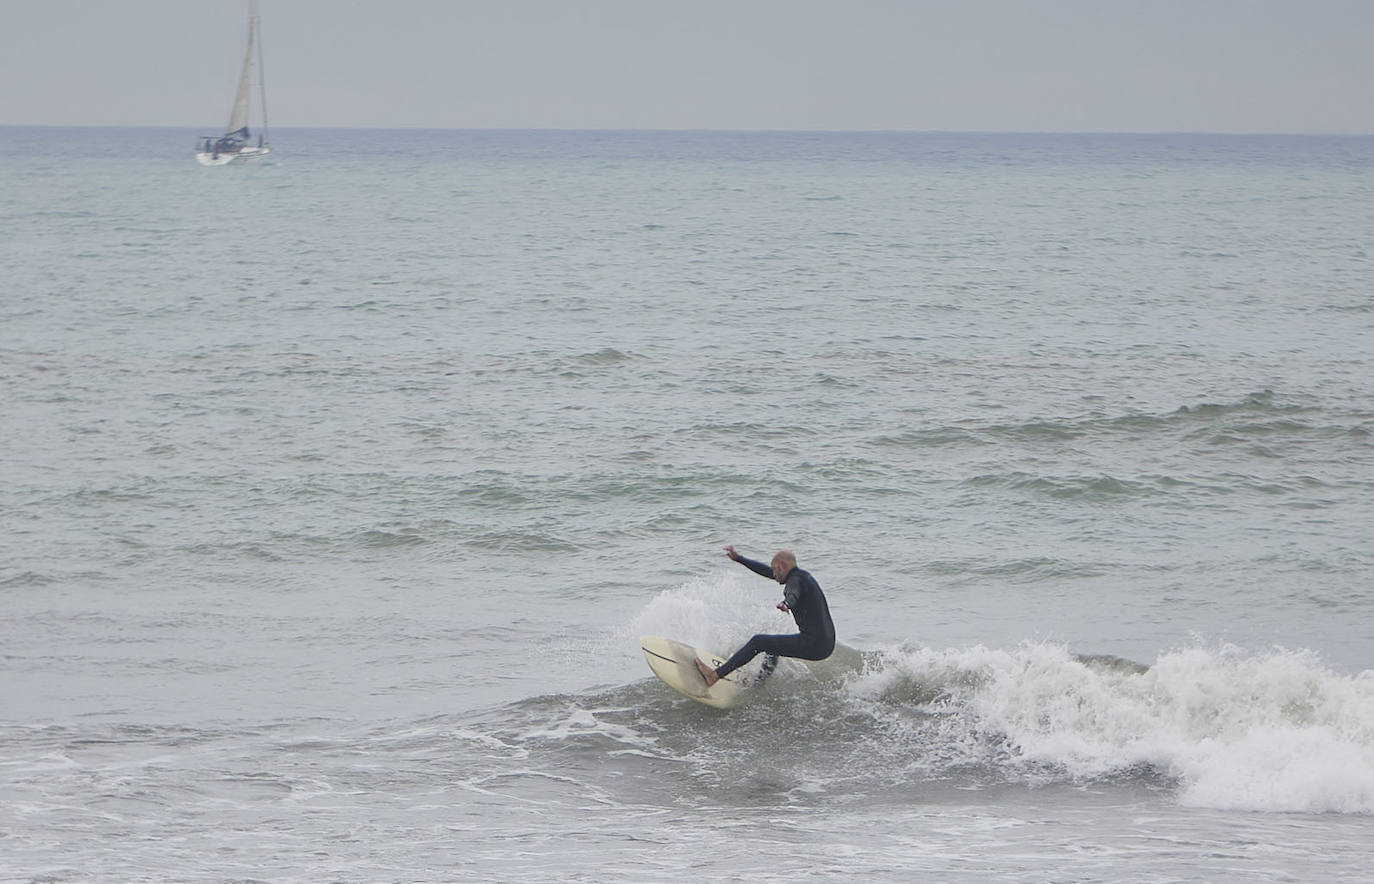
(235, 145)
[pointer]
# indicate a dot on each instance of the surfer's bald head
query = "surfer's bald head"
(783, 563)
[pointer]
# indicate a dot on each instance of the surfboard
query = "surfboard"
(675, 664)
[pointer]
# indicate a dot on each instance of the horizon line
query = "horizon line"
(684, 130)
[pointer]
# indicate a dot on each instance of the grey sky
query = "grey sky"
(1305, 66)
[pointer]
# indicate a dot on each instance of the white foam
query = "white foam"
(1272, 731)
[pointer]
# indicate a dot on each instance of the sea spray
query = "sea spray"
(720, 613)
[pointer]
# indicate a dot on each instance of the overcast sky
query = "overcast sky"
(1290, 66)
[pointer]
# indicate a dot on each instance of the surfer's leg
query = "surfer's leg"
(774, 645)
(798, 645)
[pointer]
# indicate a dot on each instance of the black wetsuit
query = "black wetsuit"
(808, 606)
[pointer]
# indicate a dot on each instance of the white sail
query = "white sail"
(238, 119)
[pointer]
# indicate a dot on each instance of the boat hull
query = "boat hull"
(224, 158)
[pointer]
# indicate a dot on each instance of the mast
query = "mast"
(256, 26)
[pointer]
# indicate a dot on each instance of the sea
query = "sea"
(337, 491)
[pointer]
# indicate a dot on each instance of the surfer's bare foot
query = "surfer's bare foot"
(707, 673)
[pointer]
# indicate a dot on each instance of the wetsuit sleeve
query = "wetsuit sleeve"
(791, 593)
(757, 567)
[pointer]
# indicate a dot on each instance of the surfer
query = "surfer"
(803, 599)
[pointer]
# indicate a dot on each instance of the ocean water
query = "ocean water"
(336, 492)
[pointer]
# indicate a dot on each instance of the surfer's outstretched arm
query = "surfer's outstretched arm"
(757, 567)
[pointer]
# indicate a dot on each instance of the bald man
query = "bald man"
(803, 599)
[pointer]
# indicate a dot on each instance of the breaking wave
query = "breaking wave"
(1222, 727)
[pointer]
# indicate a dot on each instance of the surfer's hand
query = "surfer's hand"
(730, 551)
(782, 606)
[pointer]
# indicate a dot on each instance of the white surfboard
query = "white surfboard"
(675, 663)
